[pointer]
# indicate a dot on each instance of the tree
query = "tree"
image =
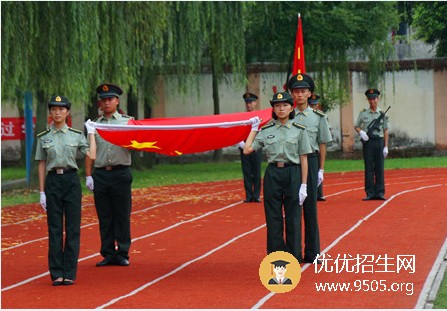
(209, 34)
(430, 22)
(70, 47)
(333, 32)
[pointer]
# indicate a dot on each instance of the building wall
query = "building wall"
(418, 100)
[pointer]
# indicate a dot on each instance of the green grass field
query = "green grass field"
(170, 174)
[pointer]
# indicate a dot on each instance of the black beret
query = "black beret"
(59, 100)
(107, 90)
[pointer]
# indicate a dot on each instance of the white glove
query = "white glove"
(363, 135)
(320, 177)
(241, 144)
(90, 126)
(255, 123)
(43, 201)
(303, 193)
(385, 152)
(89, 183)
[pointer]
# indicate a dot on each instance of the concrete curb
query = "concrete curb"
(14, 184)
(433, 281)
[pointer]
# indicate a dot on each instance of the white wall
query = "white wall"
(200, 102)
(410, 95)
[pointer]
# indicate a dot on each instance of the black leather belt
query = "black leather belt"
(283, 164)
(113, 167)
(374, 137)
(62, 171)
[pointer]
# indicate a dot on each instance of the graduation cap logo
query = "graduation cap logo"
(280, 263)
(280, 272)
(58, 99)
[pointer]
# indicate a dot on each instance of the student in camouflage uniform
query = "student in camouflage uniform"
(301, 87)
(375, 147)
(60, 188)
(287, 145)
(111, 183)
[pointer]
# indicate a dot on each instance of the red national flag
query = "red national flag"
(299, 65)
(183, 135)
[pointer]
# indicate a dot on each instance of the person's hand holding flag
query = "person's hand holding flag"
(255, 121)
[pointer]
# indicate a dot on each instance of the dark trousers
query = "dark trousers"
(113, 201)
(374, 167)
(320, 191)
(281, 187)
(311, 230)
(64, 195)
(251, 170)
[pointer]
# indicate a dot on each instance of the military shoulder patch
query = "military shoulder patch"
(75, 130)
(298, 125)
(43, 133)
(126, 116)
(319, 112)
(363, 110)
(268, 126)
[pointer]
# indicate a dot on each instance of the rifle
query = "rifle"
(375, 124)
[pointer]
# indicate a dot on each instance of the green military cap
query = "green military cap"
(249, 97)
(301, 81)
(281, 97)
(108, 90)
(313, 99)
(372, 93)
(59, 100)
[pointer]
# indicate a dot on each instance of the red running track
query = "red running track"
(199, 246)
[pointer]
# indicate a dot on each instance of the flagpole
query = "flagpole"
(292, 57)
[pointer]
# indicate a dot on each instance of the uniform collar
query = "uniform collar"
(278, 124)
(305, 112)
(115, 116)
(377, 110)
(64, 129)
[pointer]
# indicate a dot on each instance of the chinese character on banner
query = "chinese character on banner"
(14, 128)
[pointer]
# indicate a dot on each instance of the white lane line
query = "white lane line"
(92, 204)
(135, 212)
(194, 198)
(133, 240)
(179, 268)
(264, 299)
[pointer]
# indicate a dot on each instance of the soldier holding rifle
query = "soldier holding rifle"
(372, 126)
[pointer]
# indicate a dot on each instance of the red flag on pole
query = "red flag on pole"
(299, 65)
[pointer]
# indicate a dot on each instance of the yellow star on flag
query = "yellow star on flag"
(145, 145)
